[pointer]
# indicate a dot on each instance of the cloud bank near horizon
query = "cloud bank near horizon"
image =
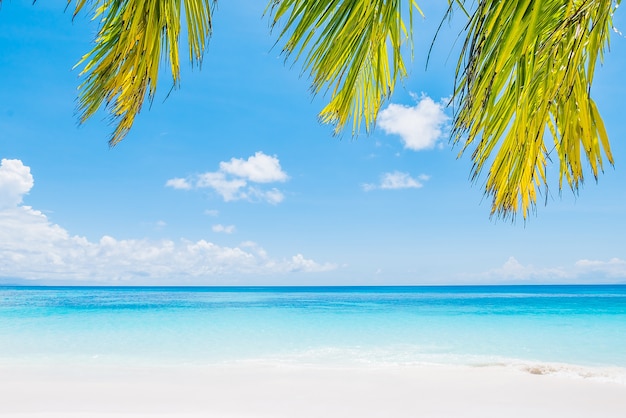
(33, 248)
(581, 271)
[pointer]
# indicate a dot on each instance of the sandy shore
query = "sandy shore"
(253, 390)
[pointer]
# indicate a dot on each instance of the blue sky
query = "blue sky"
(232, 180)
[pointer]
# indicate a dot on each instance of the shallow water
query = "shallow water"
(538, 327)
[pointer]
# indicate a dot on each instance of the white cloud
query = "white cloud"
(229, 229)
(229, 189)
(513, 269)
(615, 267)
(259, 168)
(273, 196)
(15, 182)
(212, 212)
(396, 180)
(582, 271)
(32, 247)
(299, 263)
(420, 127)
(232, 179)
(178, 183)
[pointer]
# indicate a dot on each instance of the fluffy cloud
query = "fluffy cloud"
(232, 180)
(582, 271)
(32, 247)
(178, 183)
(273, 196)
(15, 182)
(420, 126)
(299, 263)
(227, 229)
(229, 189)
(397, 180)
(615, 267)
(259, 168)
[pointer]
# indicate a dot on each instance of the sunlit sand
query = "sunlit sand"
(274, 390)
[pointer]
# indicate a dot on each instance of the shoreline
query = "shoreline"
(252, 389)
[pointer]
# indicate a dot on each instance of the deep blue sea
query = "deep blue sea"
(582, 326)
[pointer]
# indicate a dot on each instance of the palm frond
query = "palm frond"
(351, 48)
(524, 76)
(134, 37)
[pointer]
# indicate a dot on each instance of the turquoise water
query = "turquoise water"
(472, 325)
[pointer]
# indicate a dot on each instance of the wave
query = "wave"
(381, 358)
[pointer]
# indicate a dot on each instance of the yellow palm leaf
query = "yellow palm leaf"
(134, 37)
(524, 80)
(351, 48)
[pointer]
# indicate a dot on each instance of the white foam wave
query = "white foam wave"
(416, 357)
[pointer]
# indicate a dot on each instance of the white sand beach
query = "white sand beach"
(257, 390)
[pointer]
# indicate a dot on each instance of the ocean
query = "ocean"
(578, 330)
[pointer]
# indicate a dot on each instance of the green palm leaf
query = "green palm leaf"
(525, 77)
(351, 48)
(522, 90)
(134, 37)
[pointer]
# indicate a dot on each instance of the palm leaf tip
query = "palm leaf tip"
(524, 81)
(134, 38)
(350, 48)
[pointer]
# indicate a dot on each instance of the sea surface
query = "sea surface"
(580, 330)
